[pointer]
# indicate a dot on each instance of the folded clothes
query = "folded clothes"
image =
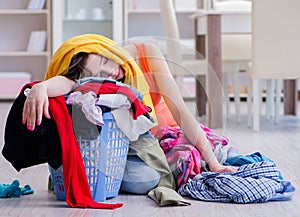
(13, 190)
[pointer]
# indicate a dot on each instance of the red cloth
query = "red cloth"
(111, 88)
(78, 192)
(76, 185)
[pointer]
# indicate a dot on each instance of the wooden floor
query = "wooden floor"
(280, 142)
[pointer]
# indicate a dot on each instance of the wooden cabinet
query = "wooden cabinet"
(17, 24)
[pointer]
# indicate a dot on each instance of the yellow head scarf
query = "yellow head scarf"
(92, 43)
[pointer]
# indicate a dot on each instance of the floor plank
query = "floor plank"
(278, 142)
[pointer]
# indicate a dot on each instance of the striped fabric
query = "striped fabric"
(252, 183)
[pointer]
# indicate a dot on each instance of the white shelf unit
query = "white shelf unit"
(79, 18)
(17, 23)
(143, 18)
(75, 17)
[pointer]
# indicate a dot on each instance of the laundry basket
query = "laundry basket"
(104, 160)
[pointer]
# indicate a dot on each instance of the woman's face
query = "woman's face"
(99, 66)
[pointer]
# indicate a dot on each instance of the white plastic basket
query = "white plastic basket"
(104, 161)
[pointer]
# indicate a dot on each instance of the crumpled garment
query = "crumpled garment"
(240, 160)
(184, 158)
(14, 190)
(252, 183)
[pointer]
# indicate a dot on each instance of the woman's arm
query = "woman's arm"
(180, 112)
(36, 104)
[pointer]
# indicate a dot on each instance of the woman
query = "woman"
(76, 58)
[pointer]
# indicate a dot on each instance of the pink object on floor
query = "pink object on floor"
(12, 82)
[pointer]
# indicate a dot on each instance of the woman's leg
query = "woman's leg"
(139, 178)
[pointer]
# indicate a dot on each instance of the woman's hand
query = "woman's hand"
(35, 106)
(218, 168)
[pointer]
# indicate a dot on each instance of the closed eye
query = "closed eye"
(104, 60)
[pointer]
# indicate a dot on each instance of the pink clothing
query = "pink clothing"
(214, 138)
(183, 158)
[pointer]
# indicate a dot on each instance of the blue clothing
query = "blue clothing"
(286, 193)
(13, 190)
(252, 183)
(240, 160)
(138, 178)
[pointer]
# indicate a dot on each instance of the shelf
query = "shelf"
(183, 11)
(142, 11)
(87, 20)
(22, 53)
(18, 25)
(153, 11)
(23, 12)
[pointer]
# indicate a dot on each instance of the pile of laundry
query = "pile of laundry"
(256, 180)
(251, 183)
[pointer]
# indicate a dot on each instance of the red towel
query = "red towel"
(76, 185)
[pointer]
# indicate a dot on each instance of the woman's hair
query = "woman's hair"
(77, 69)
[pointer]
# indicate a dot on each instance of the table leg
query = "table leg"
(214, 76)
(290, 97)
(201, 97)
